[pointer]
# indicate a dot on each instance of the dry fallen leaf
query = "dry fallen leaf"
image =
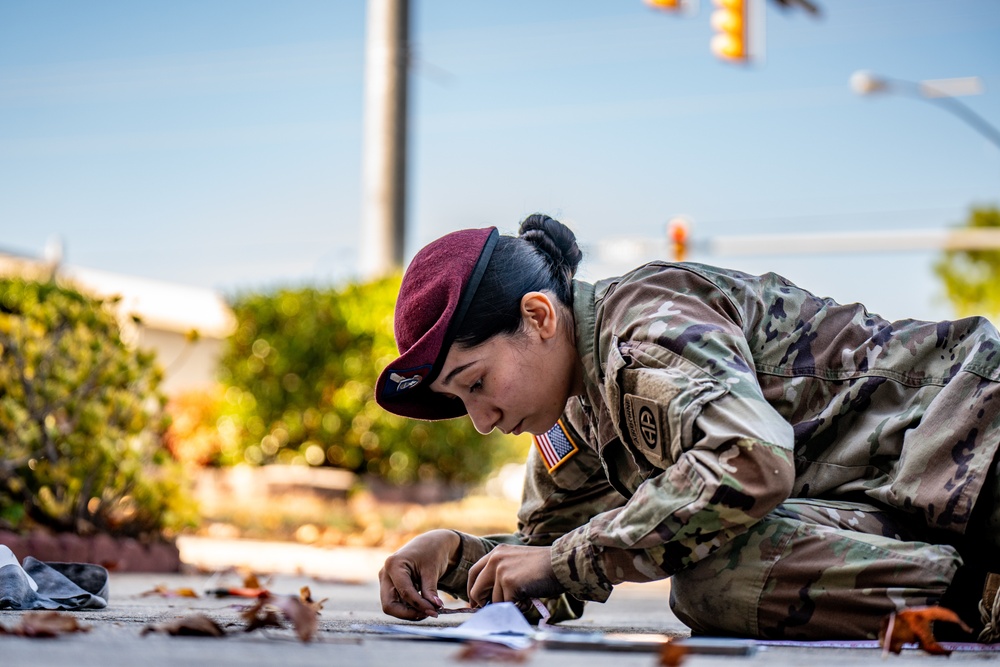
(236, 592)
(44, 624)
(488, 651)
(304, 618)
(672, 654)
(303, 615)
(165, 592)
(250, 580)
(192, 625)
(306, 596)
(250, 585)
(261, 618)
(341, 581)
(914, 625)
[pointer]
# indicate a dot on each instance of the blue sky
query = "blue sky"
(217, 143)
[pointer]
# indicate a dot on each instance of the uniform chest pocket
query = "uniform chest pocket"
(654, 397)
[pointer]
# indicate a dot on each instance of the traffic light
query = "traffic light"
(678, 6)
(669, 5)
(732, 38)
(677, 234)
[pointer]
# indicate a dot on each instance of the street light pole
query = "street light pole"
(866, 83)
(384, 160)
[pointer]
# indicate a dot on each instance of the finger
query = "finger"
(402, 610)
(391, 602)
(474, 572)
(394, 606)
(500, 594)
(406, 582)
(481, 582)
(397, 581)
(428, 588)
(506, 589)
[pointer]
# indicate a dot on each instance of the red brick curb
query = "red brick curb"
(118, 554)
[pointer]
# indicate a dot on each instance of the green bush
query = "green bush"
(300, 373)
(81, 420)
(971, 277)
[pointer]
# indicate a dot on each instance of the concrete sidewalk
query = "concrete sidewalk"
(347, 630)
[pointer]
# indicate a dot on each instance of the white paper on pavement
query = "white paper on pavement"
(499, 623)
(503, 623)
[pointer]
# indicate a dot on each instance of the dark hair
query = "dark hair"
(543, 257)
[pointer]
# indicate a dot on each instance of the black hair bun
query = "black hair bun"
(554, 240)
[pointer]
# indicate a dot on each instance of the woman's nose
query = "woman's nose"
(483, 417)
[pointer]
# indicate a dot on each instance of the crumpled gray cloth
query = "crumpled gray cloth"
(38, 585)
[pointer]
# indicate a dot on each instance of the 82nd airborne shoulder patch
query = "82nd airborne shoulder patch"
(556, 446)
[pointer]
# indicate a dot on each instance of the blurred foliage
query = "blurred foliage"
(197, 435)
(299, 379)
(361, 520)
(972, 277)
(81, 420)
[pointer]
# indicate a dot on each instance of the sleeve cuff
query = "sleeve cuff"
(577, 566)
(456, 579)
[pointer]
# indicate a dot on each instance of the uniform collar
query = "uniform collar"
(584, 316)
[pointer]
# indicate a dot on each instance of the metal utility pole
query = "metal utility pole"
(384, 161)
(856, 242)
(679, 242)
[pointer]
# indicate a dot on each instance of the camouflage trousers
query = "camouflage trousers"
(813, 569)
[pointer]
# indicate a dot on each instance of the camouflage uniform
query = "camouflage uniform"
(800, 467)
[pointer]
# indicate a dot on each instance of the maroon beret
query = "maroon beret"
(437, 289)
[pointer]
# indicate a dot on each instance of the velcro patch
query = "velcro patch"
(401, 380)
(556, 446)
(642, 417)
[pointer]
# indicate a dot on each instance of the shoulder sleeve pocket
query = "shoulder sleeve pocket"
(654, 396)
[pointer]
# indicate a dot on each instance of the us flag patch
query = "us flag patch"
(556, 446)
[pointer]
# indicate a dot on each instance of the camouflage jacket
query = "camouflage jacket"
(713, 395)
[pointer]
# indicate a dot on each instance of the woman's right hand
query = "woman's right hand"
(408, 580)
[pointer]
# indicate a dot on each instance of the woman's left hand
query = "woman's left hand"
(512, 573)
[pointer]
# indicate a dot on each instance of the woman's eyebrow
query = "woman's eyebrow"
(454, 372)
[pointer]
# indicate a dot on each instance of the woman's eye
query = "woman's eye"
(476, 386)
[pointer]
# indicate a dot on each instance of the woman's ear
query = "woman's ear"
(540, 314)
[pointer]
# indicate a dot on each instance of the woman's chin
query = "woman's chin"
(540, 430)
